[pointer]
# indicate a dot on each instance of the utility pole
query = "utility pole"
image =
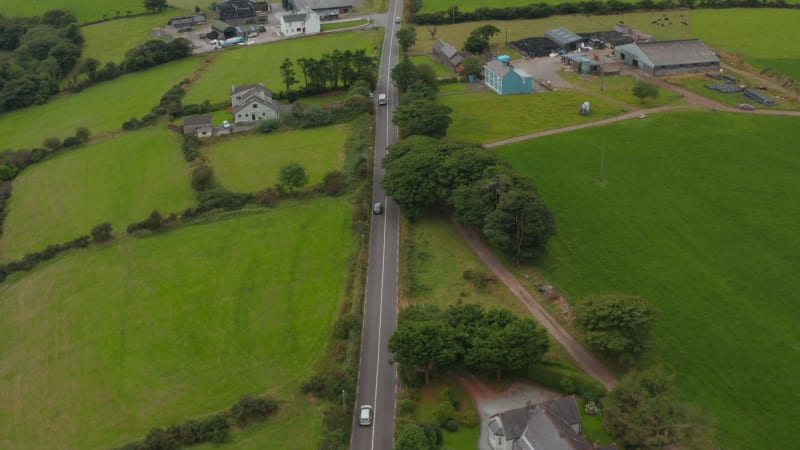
(344, 407)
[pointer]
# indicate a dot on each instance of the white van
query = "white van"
(381, 99)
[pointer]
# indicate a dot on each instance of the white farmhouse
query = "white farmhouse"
(304, 21)
(252, 102)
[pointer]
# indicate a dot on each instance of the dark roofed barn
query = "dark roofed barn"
(564, 38)
(236, 12)
(447, 54)
(669, 57)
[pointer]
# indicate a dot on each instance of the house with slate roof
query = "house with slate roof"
(447, 54)
(552, 425)
(301, 22)
(199, 125)
(502, 77)
(251, 103)
(669, 57)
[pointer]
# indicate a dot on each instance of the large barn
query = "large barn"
(669, 57)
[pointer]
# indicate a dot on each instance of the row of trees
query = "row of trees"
(428, 339)
(598, 7)
(475, 186)
(330, 72)
(44, 51)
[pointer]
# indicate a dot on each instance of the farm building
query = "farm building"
(669, 57)
(325, 8)
(502, 77)
(302, 22)
(188, 21)
(236, 12)
(199, 124)
(447, 54)
(581, 62)
(252, 102)
(567, 40)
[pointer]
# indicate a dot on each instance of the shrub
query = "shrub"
(70, 141)
(345, 324)
(268, 125)
(8, 172)
(480, 280)
(267, 197)
(447, 395)
(315, 385)
(202, 178)
(82, 133)
(221, 199)
(52, 143)
(405, 407)
(131, 124)
(334, 183)
(250, 407)
(444, 412)
(102, 232)
(451, 425)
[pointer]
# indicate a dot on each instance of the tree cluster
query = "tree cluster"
(478, 40)
(428, 339)
(214, 428)
(617, 325)
(596, 7)
(642, 413)
(43, 52)
(476, 186)
(643, 90)
(419, 113)
(330, 72)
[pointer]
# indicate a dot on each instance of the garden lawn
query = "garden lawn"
(100, 346)
(696, 212)
(466, 438)
(100, 108)
(519, 114)
(84, 10)
(252, 162)
(440, 69)
(620, 87)
(108, 41)
(261, 63)
(118, 180)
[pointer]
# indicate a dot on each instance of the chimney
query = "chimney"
(233, 88)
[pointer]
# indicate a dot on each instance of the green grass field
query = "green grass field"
(440, 69)
(118, 179)
(252, 162)
(84, 10)
(101, 345)
(619, 87)
(697, 82)
(108, 41)
(101, 108)
(251, 64)
(697, 213)
(521, 113)
(338, 25)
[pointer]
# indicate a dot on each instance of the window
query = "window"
(255, 105)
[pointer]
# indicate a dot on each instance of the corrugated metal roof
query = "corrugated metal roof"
(636, 52)
(562, 36)
(670, 53)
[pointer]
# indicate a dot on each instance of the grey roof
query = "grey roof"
(562, 36)
(236, 9)
(566, 409)
(247, 101)
(321, 4)
(299, 17)
(668, 53)
(514, 422)
(495, 426)
(247, 87)
(197, 120)
(444, 48)
(497, 67)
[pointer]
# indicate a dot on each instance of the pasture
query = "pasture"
(108, 41)
(100, 346)
(249, 163)
(118, 180)
(521, 113)
(84, 10)
(251, 64)
(697, 213)
(101, 108)
(619, 87)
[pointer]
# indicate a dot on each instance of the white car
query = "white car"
(397, 19)
(365, 415)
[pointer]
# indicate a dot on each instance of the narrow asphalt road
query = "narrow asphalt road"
(377, 378)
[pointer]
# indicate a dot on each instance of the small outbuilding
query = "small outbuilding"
(567, 40)
(669, 57)
(581, 63)
(199, 125)
(447, 54)
(502, 77)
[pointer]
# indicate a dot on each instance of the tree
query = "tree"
(425, 345)
(642, 90)
(472, 66)
(102, 232)
(476, 44)
(521, 224)
(641, 413)
(334, 183)
(287, 73)
(404, 73)
(506, 342)
(155, 6)
(82, 133)
(293, 175)
(406, 37)
(423, 117)
(411, 437)
(432, 30)
(486, 31)
(409, 179)
(618, 325)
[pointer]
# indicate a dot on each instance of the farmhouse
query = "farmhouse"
(236, 12)
(504, 78)
(199, 125)
(553, 425)
(669, 57)
(567, 40)
(325, 8)
(252, 102)
(302, 22)
(447, 54)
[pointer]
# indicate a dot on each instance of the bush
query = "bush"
(221, 199)
(131, 124)
(334, 183)
(71, 141)
(315, 385)
(447, 395)
(345, 325)
(202, 178)
(480, 280)
(268, 125)
(451, 425)
(406, 407)
(52, 143)
(444, 412)
(82, 133)
(102, 232)
(250, 407)
(267, 197)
